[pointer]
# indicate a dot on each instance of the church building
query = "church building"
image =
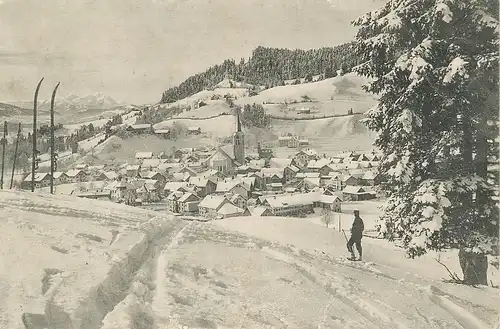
(227, 158)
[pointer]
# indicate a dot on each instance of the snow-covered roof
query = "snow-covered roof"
(38, 177)
(307, 175)
(192, 128)
(198, 181)
(312, 181)
(133, 167)
(152, 162)
(111, 175)
(235, 197)
(74, 172)
(186, 196)
(284, 200)
(173, 186)
(226, 186)
(317, 164)
(369, 175)
(270, 172)
(350, 189)
(258, 211)
(141, 126)
(212, 201)
(144, 155)
(280, 162)
(58, 174)
(329, 198)
(229, 209)
(162, 131)
(150, 174)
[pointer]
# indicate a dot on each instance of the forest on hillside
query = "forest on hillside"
(270, 67)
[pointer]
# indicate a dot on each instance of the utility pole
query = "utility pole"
(52, 152)
(34, 163)
(15, 155)
(4, 143)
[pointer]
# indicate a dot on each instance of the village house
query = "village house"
(154, 175)
(202, 186)
(239, 201)
(272, 175)
(133, 170)
(41, 180)
(122, 191)
(60, 178)
(212, 174)
(95, 195)
(261, 212)
(231, 187)
(286, 205)
(151, 164)
(280, 162)
(303, 142)
(210, 204)
(356, 193)
(348, 180)
(143, 155)
(283, 141)
(194, 130)
(309, 184)
(175, 186)
(188, 203)
(76, 175)
(229, 210)
(163, 133)
(330, 202)
(370, 178)
(172, 201)
(138, 129)
(293, 142)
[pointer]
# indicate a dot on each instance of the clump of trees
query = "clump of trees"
(255, 116)
(270, 67)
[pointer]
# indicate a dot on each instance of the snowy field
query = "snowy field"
(95, 264)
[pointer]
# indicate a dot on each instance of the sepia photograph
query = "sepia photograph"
(249, 164)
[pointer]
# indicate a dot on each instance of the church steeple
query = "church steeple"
(238, 121)
(239, 141)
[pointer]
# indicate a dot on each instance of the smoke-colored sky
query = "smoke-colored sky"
(132, 50)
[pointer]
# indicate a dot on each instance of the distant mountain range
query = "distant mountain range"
(71, 103)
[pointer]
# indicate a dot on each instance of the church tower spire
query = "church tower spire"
(239, 141)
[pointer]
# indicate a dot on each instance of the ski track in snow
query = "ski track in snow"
(161, 270)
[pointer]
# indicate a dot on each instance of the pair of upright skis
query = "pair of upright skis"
(34, 164)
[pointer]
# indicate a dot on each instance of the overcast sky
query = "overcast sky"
(132, 50)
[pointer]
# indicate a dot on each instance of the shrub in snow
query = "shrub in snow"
(434, 64)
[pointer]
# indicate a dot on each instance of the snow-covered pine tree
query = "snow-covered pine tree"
(434, 65)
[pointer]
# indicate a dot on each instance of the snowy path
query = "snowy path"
(95, 265)
(208, 277)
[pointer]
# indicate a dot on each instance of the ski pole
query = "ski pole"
(345, 236)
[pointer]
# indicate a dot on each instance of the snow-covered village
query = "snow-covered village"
(339, 170)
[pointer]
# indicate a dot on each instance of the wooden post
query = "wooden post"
(340, 222)
(52, 152)
(15, 155)
(4, 143)
(34, 152)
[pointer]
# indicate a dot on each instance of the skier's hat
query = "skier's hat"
(356, 212)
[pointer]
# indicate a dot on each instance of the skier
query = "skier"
(356, 234)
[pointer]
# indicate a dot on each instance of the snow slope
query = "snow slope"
(74, 271)
(63, 259)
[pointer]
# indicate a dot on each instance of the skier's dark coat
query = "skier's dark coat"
(357, 227)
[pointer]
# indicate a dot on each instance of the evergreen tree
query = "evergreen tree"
(435, 67)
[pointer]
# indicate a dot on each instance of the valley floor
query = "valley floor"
(246, 272)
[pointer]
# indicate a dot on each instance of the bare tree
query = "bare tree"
(326, 216)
